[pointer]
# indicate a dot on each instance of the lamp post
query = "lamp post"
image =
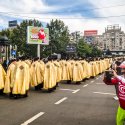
(4, 42)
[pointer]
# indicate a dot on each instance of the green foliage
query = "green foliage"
(85, 50)
(59, 36)
(18, 37)
(96, 52)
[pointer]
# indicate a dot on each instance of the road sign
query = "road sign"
(13, 52)
(70, 49)
(13, 23)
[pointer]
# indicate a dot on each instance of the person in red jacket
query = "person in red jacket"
(120, 80)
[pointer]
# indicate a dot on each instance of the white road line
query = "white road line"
(33, 118)
(86, 85)
(67, 89)
(104, 93)
(100, 83)
(76, 91)
(61, 100)
(97, 78)
(92, 81)
(73, 91)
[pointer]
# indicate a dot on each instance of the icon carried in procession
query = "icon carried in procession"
(37, 35)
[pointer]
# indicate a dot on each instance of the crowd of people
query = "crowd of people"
(45, 74)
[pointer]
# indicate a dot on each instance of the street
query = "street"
(88, 103)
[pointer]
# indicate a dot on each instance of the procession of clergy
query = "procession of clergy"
(22, 74)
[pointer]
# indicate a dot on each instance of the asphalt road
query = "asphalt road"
(90, 103)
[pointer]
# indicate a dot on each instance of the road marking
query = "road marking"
(86, 85)
(104, 93)
(100, 83)
(73, 91)
(92, 81)
(97, 78)
(61, 100)
(76, 91)
(67, 89)
(33, 118)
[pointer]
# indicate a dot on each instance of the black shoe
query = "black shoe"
(1, 92)
(69, 82)
(78, 83)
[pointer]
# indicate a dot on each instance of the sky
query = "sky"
(78, 15)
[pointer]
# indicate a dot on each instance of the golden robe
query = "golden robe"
(66, 70)
(2, 77)
(11, 72)
(49, 76)
(86, 69)
(77, 72)
(58, 71)
(93, 69)
(22, 79)
(37, 73)
(72, 63)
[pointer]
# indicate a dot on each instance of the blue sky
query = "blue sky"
(72, 7)
(45, 10)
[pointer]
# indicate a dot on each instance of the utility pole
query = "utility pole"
(38, 45)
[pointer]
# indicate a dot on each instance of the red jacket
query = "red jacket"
(120, 80)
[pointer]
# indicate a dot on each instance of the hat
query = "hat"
(122, 65)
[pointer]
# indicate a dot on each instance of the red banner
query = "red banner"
(90, 32)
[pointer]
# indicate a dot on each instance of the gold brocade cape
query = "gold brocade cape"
(58, 70)
(77, 72)
(20, 75)
(50, 76)
(18, 78)
(22, 79)
(66, 70)
(9, 82)
(37, 73)
(2, 77)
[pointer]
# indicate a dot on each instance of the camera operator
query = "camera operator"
(116, 79)
(118, 70)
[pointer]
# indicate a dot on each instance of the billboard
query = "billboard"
(13, 23)
(37, 35)
(90, 32)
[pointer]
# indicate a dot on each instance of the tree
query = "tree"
(83, 49)
(18, 37)
(59, 36)
(96, 52)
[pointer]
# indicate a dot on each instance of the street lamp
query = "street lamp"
(4, 43)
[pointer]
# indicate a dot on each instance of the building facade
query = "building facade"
(75, 36)
(113, 39)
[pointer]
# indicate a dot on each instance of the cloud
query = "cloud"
(21, 6)
(71, 19)
(24, 6)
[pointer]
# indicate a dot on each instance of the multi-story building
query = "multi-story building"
(75, 36)
(113, 39)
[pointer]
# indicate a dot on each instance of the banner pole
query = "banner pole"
(38, 50)
(38, 45)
